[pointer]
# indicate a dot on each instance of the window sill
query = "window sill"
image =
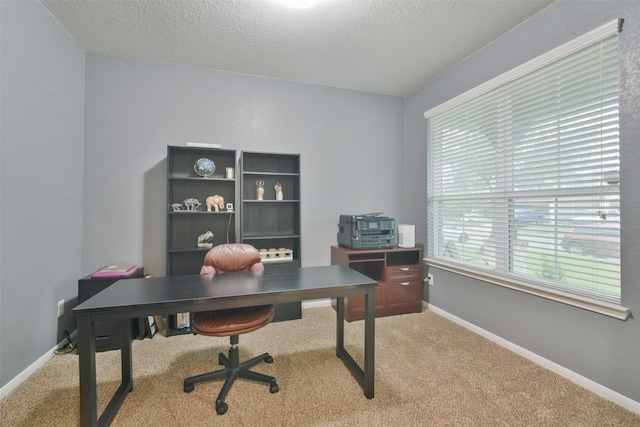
(601, 307)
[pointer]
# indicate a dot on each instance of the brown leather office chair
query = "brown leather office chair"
(232, 322)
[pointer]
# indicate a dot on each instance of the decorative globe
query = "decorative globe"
(204, 167)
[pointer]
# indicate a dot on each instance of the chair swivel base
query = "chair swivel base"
(233, 370)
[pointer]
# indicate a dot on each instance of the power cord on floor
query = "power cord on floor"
(68, 348)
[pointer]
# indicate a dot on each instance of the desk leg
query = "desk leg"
(339, 326)
(369, 342)
(125, 353)
(88, 382)
(87, 362)
(364, 377)
(127, 375)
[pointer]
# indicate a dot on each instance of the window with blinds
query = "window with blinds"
(523, 177)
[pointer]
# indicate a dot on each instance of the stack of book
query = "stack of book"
(110, 271)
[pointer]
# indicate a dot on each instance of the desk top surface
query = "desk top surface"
(226, 290)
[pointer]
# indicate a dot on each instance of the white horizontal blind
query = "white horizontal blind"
(523, 177)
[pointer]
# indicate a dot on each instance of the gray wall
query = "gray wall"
(350, 145)
(42, 89)
(600, 348)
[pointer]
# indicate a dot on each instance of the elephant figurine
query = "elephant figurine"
(205, 240)
(215, 202)
(191, 204)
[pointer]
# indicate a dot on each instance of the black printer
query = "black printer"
(367, 231)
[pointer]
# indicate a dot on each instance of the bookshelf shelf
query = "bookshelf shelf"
(185, 226)
(269, 223)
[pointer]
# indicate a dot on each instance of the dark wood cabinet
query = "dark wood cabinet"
(399, 275)
(271, 222)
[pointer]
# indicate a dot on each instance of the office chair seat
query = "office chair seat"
(232, 323)
(236, 321)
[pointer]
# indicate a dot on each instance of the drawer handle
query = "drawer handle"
(405, 268)
(405, 283)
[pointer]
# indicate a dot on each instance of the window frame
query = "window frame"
(508, 279)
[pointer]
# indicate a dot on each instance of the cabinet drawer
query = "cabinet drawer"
(404, 297)
(403, 283)
(404, 273)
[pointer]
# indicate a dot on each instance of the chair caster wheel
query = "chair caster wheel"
(188, 388)
(221, 408)
(221, 359)
(273, 388)
(269, 359)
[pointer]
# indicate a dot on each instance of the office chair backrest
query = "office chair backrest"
(232, 257)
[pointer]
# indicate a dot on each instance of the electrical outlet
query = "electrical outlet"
(430, 279)
(60, 307)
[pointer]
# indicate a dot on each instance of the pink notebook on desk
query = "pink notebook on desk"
(115, 271)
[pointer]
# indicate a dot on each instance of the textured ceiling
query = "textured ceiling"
(382, 46)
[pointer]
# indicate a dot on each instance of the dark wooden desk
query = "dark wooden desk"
(132, 298)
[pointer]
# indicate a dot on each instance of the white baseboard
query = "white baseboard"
(22, 376)
(31, 369)
(316, 303)
(590, 385)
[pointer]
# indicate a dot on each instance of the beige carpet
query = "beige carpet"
(429, 371)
